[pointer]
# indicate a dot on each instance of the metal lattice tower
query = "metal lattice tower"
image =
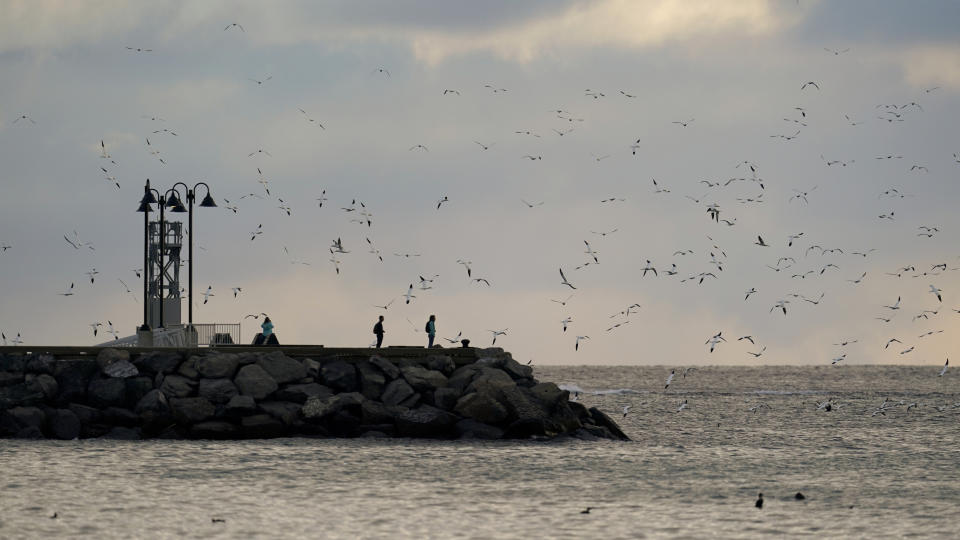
(172, 245)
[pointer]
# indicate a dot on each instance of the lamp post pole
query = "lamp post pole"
(162, 203)
(206, 203)
(148, 199)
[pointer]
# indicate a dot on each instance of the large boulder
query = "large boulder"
(109, 356)
(107, 392)
(47, 384)
(550, 394)
(63, 424)
(12, 362)
(374, 412)
(462, 377)
(191, 410)
(153, 404)
(137, 387)
(10, 378)
(446, 398)
(422, 379)
(73, 376)
(387, 367)
(426, 421)
(240, 406)
(188, 368)
(261, 426)
(27, 416)
(300, 393)
(441, 363)
(253, 380)
(118, 416)
(487, 376)
(471, 429)
(282, 368)
(120, 433)
(87, 415)
(177, 386)
(158, 362)
(601, 419)
(339, 375)
(217, 390)
(313, 367)
(41, 363)
(396, 392)
(121, 369)
(217, 366)
(25, 393)
(372, 379)
(482, 406)
(214, 430)
(285, 411)
(317, 408)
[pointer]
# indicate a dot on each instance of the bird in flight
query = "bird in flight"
(419, 147)
(836, 52)
(683, 123)
(497, 333)
(234, 25)
(208, 294)
(936, 292)
(760, 242)
(944, 370)
(24, 117)
(409, 294)
(258, 81)
(311, 120)
(670, 377)
(565, 282)
(565, 322)
(441, 201)
(810, 83)
(484, 146)
(576, 346)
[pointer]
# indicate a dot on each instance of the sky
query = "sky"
(776, 111)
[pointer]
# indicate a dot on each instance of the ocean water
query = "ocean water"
(688, 474)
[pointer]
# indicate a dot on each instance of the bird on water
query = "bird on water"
(759, 503)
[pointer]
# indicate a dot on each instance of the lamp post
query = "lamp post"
(207, 202)
(176, 206)
(148, 199)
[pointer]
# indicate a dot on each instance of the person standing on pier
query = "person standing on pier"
(431, 329)
(269, 338)
(378, 330)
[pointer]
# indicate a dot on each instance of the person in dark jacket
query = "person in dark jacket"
(378, 330)
(431, 329)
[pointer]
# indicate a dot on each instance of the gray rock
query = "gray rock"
(8, 426)
(107, 392)
(300, 393)
(87, 415)
(601, 419)
(425, 421)
(12, 362)
(372, 380)
(217, 365)
(441, 363)
(240, 406)
(411, 401)
(121, 433)
(313, 367)
(10, 378)
(63, 424)
(137, 387)
(316, 409)
(374, 412)
(158, 362)
(253, 380)
(374, 434)
(261, 426)
(282, 368)
(177, 386)
(446, 398)
(47, 384)
(191, 410)
(471, 429)
(73, 376)
(214, 430)
(217, 390)
(285, 411)
(396, 392)
(422, 379)
(521, 405)
(462, 377)
(482, 406)
(41, 363)
(488, 376)
(188, 368)
(110, 356)
(152, 405)
(549, 394)
(516, 370)
(27, 416)
(25, 393)
(29, 432)
(120, 417)
(340, 376)
(386, 366)
(120, 369)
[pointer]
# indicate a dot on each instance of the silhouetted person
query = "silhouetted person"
(378, 330)
(266, 337)
(759, 503)
(431, 330)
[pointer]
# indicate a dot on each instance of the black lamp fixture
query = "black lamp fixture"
(149, 198)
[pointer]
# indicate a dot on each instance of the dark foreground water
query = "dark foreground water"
(694, 473)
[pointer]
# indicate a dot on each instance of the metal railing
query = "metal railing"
(217, 333)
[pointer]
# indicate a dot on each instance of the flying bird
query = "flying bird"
(810, 83)
(565, 282)
(576, 346)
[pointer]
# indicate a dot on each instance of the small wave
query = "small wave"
(573, 388)
(787, 392)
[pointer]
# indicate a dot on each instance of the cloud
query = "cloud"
(932, 65)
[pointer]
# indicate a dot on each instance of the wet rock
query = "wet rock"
(471, 429)
(423, 380)
(396, 392)
(462, 377)
(282, 368)
(120, 433)
(240, 406)
(442, 363)
(158, 362)
(188, 368)
(12, 362)
(446, 398)
(152, 404)
(30, 432)
(601, 419)
(316, 409)
(285, 411)
(374, 412)
(10, 378)
(217, 390)
(487, 376)
(137, 387)
(313, 367)
(481, 406)
(106, 392)
(372, 379)
(63, 424)
(214, 430)
(300, 393)
(87, 415)
(120, 369)
(387, 367)
(549, 394)
(109, 356)
(261, 426)
(191, 410)
(253, 380)
(41, 363)
(117, 416)
(73, 376)
(177, 386)
(340, 376)
(47, 384)
(425, 421)
(27, 416)
(217, 365)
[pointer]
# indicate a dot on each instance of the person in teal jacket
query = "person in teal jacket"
(431, 330)
(269, 338)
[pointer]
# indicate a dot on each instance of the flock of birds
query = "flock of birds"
(746, 173)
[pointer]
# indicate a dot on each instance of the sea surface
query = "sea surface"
(694, 473)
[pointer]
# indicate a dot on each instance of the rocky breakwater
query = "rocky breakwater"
(215, 395)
